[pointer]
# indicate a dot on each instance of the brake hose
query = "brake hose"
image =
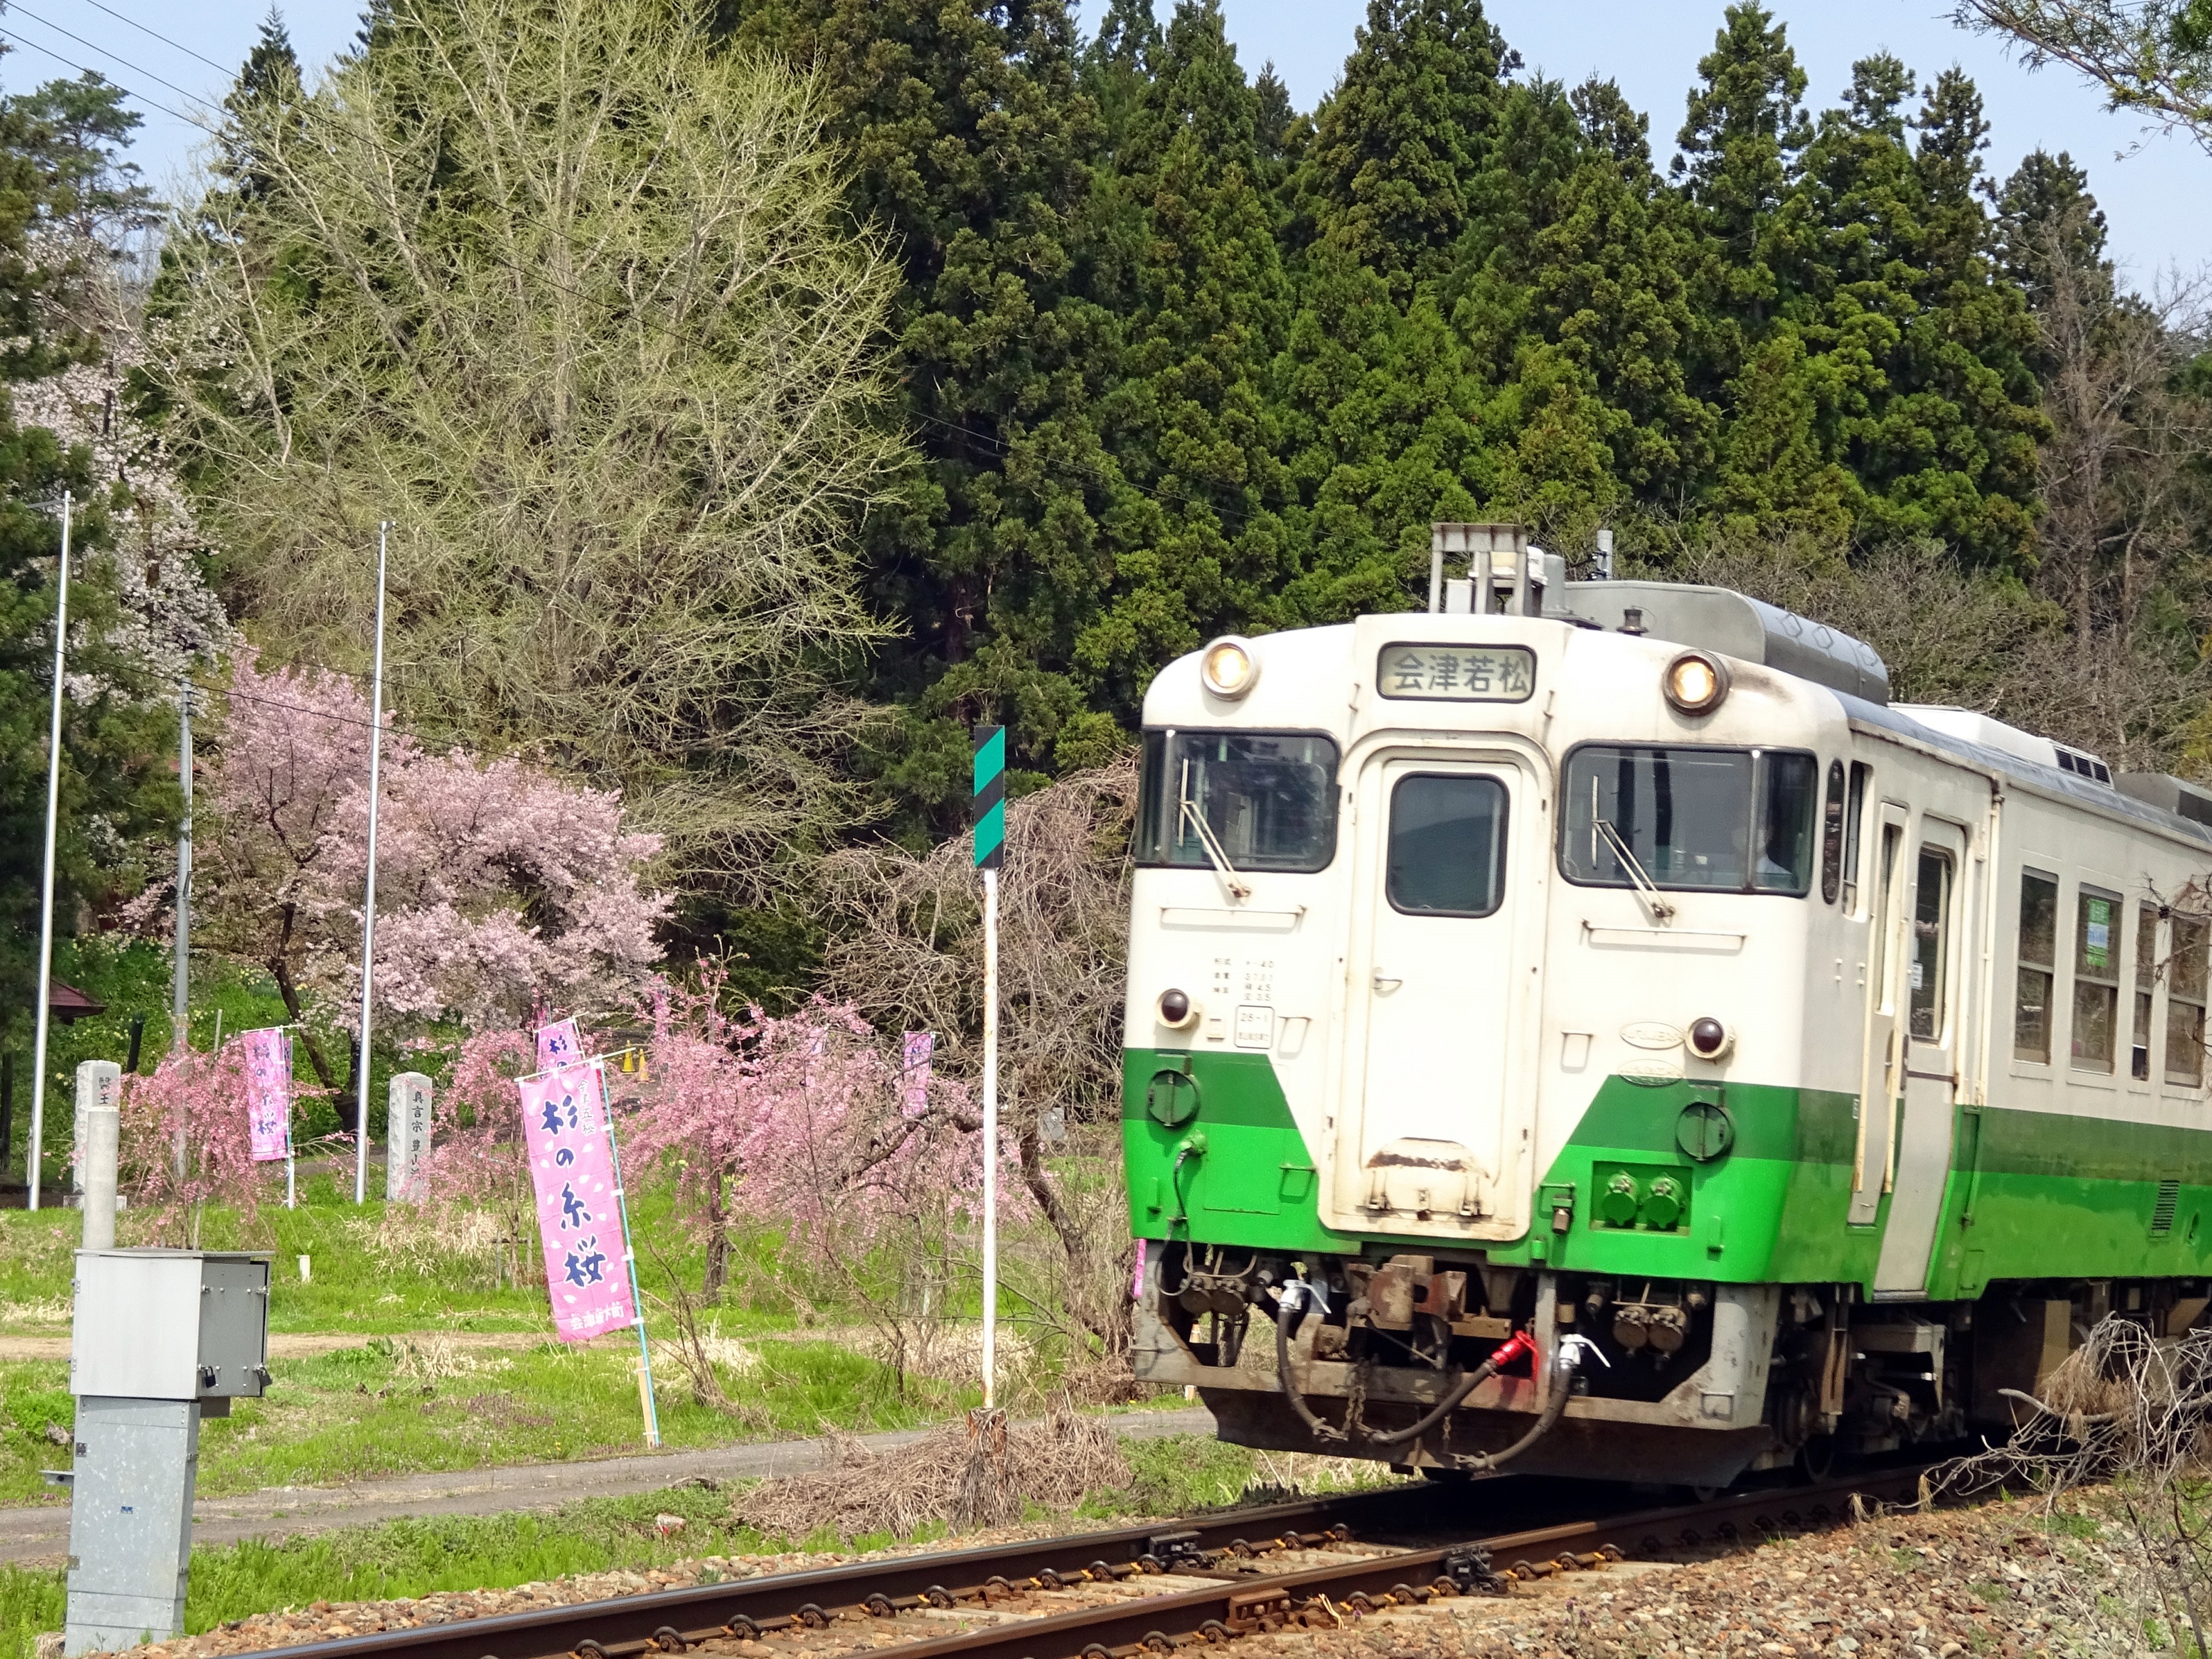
(1507, 1351)
(1568, 1361)
(1293, 1297)
(1565, 1365)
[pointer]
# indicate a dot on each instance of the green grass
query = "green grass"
(1179, 1472)
(352, 1288)
(356, 1415)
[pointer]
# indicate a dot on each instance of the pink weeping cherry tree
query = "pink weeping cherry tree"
(811, 1125)
(500, 885)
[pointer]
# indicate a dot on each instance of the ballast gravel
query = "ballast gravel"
(2003, 1581)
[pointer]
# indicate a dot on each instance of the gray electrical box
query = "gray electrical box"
(161, 1338)
(170, 1325)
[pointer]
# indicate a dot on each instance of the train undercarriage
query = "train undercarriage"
(1445, 1364)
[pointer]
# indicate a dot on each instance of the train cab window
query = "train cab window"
(2184, 1002)
(2096, 980)
(1268, 798)
(1924, 967)
(2038, 963)
(1446, 845)
(1725, 820)
(1854, 815)
(1832, 835)
(2145, 982)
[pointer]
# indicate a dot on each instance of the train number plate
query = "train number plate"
(1457, 673)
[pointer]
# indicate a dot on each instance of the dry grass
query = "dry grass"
(980, 1473)
(429, 1241)
(46, 1310)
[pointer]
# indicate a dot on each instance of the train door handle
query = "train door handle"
(1385, 983)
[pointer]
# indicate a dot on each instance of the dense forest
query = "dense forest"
(761, 397)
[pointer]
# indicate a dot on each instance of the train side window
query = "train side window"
(2184, 1002)
(1447, 853)
(2146, 981)
(1854, 815)
(1832, 835)
(1931, 908)
(2096, 980)
(2039, 961)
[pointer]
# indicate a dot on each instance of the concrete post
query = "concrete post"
(406, 1135)
(99, 1082)
(97, 1158)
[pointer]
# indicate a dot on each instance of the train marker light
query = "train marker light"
(1711, 1038)
(1176, 1009)
(1695, 684)
(1229, 668)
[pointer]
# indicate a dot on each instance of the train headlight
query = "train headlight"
(1177, 1009)
(1229, 668)
(1695, 683)
(1711, 1038)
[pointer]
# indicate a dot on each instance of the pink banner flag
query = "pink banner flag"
(558, 1045)
(268, 1093)
(564, 1125)
(919, 1049)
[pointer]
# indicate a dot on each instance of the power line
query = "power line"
(176, 45)
(1005, 448)
(136, 69)
(296, 708)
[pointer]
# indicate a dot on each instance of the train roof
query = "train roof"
(1721, 619)
(2114, 800)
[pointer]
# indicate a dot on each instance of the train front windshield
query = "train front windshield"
(1269, 799)
(1727, 820)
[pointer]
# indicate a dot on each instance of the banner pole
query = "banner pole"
(291, 1187)
(629, 1259)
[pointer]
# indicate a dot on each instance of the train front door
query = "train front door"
(1440, 971)
(1935, 886)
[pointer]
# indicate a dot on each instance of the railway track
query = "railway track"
(1139, 1590)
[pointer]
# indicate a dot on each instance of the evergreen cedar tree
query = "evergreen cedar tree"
(1179, 360)
(59, 170)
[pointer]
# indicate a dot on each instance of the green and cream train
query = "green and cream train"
(1589, 1025)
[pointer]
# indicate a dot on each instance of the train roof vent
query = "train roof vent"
(2184, 800)
(1721, 619)
(1970, 727)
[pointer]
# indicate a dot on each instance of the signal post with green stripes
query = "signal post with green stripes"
(990, 844)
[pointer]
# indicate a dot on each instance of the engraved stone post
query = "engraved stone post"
(406, 1136)
(99, 1082)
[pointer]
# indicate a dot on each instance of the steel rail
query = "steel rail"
(1322, 1595)
(777, 1600)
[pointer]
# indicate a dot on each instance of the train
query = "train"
(1587, 1027)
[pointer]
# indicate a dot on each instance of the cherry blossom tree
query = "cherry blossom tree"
(499, 886)
(811, 1123)
(199, 1099)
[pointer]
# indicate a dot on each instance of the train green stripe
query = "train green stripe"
(2030, 1195)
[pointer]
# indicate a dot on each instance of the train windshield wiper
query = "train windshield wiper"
(1208, 842)
(1646, 888)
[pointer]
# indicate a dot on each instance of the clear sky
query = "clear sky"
(2155, 199)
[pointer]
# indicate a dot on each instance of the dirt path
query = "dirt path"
(39, 1535)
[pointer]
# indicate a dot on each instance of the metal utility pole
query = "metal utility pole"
(990, 853)
(180, 986)
(368, 897)
(46, 882)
